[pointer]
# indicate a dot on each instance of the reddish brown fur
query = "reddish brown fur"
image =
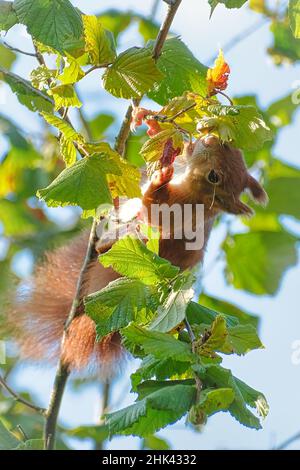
(39, 317)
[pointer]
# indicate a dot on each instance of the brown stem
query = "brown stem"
(62, 372)
(193, 341)
(20, 399)
(106, 389)
(15, 49)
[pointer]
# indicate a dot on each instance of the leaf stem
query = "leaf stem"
(20, 399)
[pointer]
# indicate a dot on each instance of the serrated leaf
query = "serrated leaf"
(242, 339)
(132, 74)
(211, 401)
(64, 97)
(154, 412)
(68, 151)
(228, 309)
(126, 182)
(41, 76)
(158, 368)
(274, 252)
(217, 337)
(72, 72)
(245, 127)
(82, 184)
(173, 310)
(27, 95)
(227, 3)
(8, 17)
(199, 314)
(99, 43)
(294, 15)
(152, 149)
(130, 257)
(220, 377)
(52, 22)
(182, 72)
(159, 345)
(118, 304)
(66, 129)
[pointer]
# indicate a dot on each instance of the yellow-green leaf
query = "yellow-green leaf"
(99, 43)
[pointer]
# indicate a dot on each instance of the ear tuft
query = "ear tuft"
(257, 191)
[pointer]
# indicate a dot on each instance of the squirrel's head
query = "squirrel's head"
(218, 171)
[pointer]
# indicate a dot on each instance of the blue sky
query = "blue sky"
(270, 370)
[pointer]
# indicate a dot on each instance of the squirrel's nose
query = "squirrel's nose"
(210, 141)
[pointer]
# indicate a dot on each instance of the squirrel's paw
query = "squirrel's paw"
(162, 176)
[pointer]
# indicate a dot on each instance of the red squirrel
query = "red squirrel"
(215, 176)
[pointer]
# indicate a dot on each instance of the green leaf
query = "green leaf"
(242, 339)
(283, 179)
(8, 17)
(118, 304)
(217, 376)
(125, 182)
(286, 46)
(16, 220)
(99, 125)
(82, 184)
(155, 443)
(227, 308)
(33, 99)
(64, 97)
(31, 444)
(217, 337)
(158, 368)
(72, 72)
(130, 257)
(199, 314)
(274, 252)
(182, 72)
(227, 3)
(211, 401)
(99, 43)
(66, 129)
(244, 127)
(172, 312)
(51, 22)
(7, 57)
(116, 21)
(154, 412)
(147, 28)
(41, 76)
(294, 15)
(97, 433)
(7, 440)
(152, 149)
(159, 345)
(132, 74)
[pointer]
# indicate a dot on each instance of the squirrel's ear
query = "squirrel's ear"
(257, 191)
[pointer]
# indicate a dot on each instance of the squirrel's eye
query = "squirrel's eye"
(213, 177)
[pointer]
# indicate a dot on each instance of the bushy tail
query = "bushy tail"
(40, 310)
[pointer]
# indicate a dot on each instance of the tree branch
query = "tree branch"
(20, 399)
(289, 441)
(124, 132)
(63, 372)
(15, 49)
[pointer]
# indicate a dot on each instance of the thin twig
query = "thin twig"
(63, 372)
(106, 389)
(241, 37)
(289, 441)
(20, 399)
(194, 341)
(15, 49)
(161, 37)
